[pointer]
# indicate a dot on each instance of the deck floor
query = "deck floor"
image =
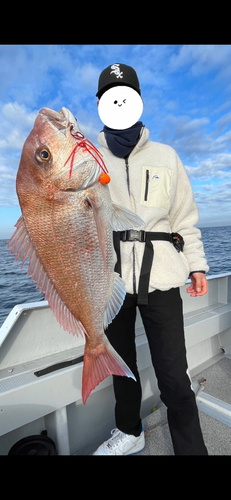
(217, 435)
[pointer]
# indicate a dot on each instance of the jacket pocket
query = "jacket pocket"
(156, 186)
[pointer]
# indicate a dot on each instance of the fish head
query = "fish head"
(55, 157)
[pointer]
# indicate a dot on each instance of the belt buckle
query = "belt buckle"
(123, 235)
(137, 235)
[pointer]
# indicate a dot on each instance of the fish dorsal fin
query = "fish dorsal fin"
(21, 244)
(116, 300)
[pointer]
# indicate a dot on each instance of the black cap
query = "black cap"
(118, 74)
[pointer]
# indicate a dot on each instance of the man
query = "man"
(149, 178)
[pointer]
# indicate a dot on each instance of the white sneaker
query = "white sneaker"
(121, 444)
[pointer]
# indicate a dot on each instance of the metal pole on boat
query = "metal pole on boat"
(60, 428)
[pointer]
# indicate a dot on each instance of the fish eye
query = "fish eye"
(115, 102)
(43, 154)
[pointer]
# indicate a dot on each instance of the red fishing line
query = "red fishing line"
(87, 146)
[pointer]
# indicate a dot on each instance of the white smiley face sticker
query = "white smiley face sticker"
(120, 107)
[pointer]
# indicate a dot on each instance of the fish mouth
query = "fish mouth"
(60, 120)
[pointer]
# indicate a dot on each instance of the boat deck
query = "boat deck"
(214, 399)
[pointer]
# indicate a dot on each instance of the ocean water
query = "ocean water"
(16, 287)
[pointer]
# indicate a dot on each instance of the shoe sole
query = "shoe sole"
(136, 452)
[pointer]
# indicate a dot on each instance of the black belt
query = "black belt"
(146, 237)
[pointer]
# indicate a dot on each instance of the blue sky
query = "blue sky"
(186, 91)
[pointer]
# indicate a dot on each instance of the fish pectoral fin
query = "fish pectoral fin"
(22, 245)
(98, 366)
(123, 218)
(116, 300)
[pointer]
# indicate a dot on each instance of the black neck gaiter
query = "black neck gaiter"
(121, 142)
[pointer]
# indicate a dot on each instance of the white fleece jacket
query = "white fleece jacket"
(161, 193)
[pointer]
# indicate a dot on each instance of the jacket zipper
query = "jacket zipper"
(146, 186)
(127, 174)
(133, 248)
(134, 268)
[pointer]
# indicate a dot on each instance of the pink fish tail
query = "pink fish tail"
(98, 366)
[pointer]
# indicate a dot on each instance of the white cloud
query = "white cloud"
(15, 123)
(185, 135)
(16, 113)
(197, 138)
(8, 170)
(224, 139)
(223, 122)
(216, 167)
(202, 59)
(214, 204)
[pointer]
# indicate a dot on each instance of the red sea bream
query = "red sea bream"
(65, 231)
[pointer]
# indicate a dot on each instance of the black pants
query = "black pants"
(163, 323)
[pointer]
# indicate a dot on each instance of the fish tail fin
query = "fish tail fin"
(99, 363)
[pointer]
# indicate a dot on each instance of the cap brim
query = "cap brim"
(116, 84)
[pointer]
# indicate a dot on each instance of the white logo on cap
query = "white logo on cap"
(116, 70)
